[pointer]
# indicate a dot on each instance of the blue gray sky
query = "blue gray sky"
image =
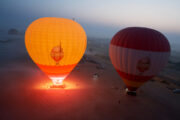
(100, 18)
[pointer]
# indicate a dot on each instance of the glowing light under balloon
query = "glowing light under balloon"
(57, 80)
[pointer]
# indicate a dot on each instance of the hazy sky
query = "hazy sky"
(98, 17)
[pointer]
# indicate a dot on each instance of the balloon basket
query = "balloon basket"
(58, 86)
(129, 92)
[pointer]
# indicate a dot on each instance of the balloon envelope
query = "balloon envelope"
(56, 45)
(138, 54)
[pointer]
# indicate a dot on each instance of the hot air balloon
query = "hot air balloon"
(138, 54)
(56, 45)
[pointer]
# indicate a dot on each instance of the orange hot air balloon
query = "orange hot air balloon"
(138, 54)
(56, 45)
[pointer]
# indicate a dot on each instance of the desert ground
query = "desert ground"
(94, 90)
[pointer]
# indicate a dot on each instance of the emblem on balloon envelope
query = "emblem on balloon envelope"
(143, 64)
(57, 54)
(56, 45)
(138, 54)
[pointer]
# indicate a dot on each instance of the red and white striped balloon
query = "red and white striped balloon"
(138, 54)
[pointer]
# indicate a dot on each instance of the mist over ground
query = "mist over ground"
(13, 45)
(12, 50)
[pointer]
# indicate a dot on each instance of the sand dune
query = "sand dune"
(94, 90)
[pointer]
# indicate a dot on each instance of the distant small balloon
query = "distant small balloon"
(138, 54)
(56, 45)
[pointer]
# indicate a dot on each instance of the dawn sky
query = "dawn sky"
(105, 16)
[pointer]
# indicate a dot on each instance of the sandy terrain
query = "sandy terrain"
(94, 90)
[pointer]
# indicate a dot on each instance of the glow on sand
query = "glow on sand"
(69, 85)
